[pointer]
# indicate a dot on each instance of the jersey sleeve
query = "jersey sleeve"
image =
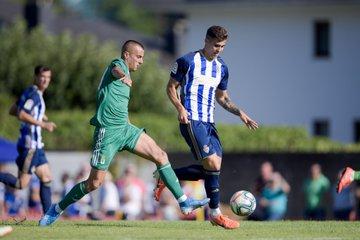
(27, 102)
(224, 78)
(179, 69)
(118, 63)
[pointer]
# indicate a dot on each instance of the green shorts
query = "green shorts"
(109, 140)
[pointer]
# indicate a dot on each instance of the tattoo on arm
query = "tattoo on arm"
(229, 106)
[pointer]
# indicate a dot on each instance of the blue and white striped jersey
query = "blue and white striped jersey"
(32, 102)
(199, 78)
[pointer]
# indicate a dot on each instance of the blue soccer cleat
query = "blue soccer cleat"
(50, 216)
(190, 205)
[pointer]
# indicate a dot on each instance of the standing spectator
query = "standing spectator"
(274, 197)
(315, 188)
(109, 195)
(266, 174)
(344, 202)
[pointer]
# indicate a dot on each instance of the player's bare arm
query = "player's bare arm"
(222, 97)
(172, 93)
(25, 117)
(118, 73)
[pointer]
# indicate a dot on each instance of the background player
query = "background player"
(203, 77)
(30, 110)
(114, 132)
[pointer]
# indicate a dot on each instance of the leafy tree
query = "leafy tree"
(127, 13)
(77, 64)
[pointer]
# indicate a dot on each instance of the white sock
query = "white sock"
(182, 198)
(215, 212)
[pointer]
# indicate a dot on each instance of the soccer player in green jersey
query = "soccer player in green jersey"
(113, 133)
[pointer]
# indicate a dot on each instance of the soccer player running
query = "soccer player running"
(203, 77)
(30, 110)
(113, 133)
(347, 177)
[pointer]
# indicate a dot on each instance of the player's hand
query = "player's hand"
(49, 126)
(183, 116)
(251, 124)
(126, 80)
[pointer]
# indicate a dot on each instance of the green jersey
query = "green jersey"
(112, 98)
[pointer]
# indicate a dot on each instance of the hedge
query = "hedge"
(75, 133)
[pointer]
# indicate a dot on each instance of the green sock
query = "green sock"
(357, 175)
(168, 176)
(75, 194)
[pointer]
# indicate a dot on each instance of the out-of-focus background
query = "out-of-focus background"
(294, 67)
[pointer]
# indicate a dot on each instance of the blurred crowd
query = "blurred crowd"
(128, 197)
(271, 191)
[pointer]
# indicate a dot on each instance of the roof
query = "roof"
(76, 24)
(182, 6)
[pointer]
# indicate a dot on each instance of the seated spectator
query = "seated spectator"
(315, 188)
(131, 192)
(344, 202)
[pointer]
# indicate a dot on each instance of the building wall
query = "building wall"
(274, 75)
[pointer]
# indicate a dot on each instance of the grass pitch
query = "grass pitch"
(102, 230)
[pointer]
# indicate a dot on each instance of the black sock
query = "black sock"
(190, 173)
(212, 188)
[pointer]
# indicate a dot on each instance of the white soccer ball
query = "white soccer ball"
(243, 203)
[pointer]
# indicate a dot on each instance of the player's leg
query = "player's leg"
(104, 150)
(43, 172)
(192, 172)
(147, 148)
(24, 163)
(212, 167)
(346, 178)
(94, 181)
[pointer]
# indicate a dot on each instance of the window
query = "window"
(321, 128)
(322, 39)
(357, 130)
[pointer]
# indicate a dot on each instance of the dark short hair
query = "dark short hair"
(217, 32)
(40, 68)
(128, 43)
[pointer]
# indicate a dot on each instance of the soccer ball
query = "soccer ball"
(243, 203)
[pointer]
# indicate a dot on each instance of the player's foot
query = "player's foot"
(347, 177)
(50, 216)
(160, 185)
(190, 205)
(224, 221)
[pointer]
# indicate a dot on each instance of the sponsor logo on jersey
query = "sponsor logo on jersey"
(29, 104)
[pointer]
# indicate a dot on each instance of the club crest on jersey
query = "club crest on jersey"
(29, 104)
(206, 149)
(174, 68)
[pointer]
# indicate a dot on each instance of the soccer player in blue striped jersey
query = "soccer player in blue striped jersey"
(30, 110)
(202, 77)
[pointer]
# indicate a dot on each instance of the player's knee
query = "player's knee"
(213, 164)
(160, 157)
(93, 185)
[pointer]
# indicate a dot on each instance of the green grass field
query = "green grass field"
(100, 230)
